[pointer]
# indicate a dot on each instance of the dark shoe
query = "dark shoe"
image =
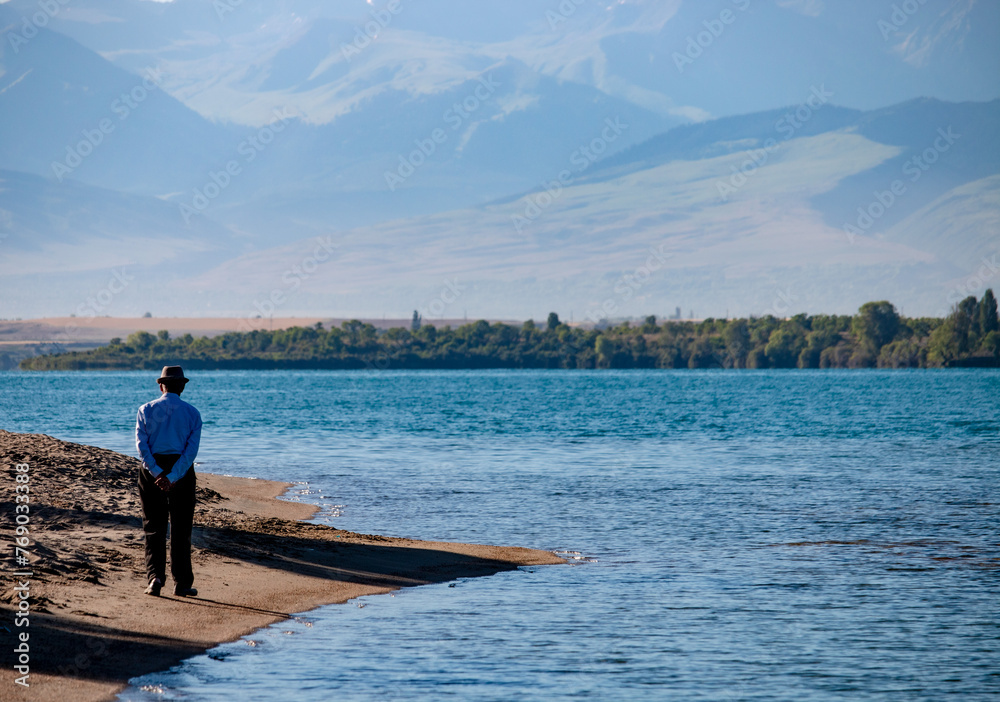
(154, 587)
(185, 591)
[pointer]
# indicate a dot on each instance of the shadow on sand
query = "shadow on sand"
(91, 651)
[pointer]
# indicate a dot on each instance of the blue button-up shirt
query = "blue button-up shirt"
(168, 425)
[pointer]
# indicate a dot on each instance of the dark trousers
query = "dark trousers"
(158, 507)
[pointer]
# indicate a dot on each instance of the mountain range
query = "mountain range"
(352, 158)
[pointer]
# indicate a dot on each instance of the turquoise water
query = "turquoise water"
(773, 535)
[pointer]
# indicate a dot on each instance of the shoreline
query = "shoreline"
(256, 562)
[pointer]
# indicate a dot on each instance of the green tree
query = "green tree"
(875, 325)
(397, 335)
(966, 321)
(901, 353)
(352, 328)
(163, 335)
(333, 343)
(737, 339)
(830, 324)
(988, 321)
(702, 355)
(862, 356)
(823, 340)
(756, 358)
(368, 333)
(760, 330)
(991, 344)
(943, 344)
(817, 341)
(552, 322)
(604, 348)
(784, 345)
(838, 356)
(140, 340)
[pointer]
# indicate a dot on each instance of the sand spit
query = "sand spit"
(90, 627)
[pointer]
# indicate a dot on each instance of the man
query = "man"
(167, 433)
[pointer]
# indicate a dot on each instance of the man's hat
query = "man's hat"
(172, 373)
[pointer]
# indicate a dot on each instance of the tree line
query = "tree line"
(876, 337)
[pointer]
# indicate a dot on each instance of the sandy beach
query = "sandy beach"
(91, 627)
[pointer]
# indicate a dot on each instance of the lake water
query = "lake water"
(772, 535)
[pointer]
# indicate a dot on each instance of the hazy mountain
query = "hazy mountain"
(61, 228)
(941, 146)
(267, 125)
(62, 244)
(626, 245)
(761, 244)
(228, 59)
(961, 227)
(482, 133)
(651, 238)
(770, 241)
(69, 114)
